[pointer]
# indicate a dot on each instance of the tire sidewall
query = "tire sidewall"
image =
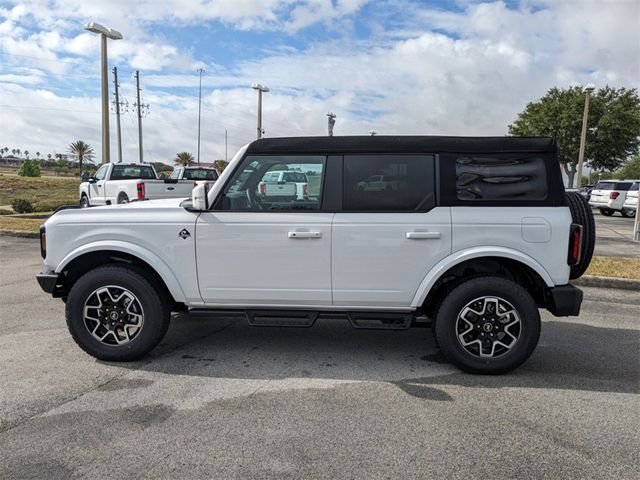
(84, 202)
(446, 317)
(148, 297)
(122, 199)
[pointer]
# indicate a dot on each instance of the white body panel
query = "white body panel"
(264, 258)
(631, 202)
(601, 198)
(379, 259)
(148, 230)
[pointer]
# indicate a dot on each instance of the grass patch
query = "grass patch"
(619, 267)
(45, 193)
(21, 224)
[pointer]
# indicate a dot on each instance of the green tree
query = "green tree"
(220, 165)
(630, 169)
(184, 159)
(613, 125)
(162, 167)
(29, 168)
(81, 151)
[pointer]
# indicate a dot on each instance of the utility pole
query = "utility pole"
(117, 88)
(225, 145)
(139, 117)
(331, 120)
(201, 70)
(261, 89)
(583, 137)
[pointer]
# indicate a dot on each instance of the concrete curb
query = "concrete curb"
(607, 282)
(19, 234)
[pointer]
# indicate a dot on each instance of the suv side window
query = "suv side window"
(101, 173)
(175, 174)
(490, 178)
(253, 188)
(403, 183)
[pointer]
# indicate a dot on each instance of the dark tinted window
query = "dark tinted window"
(388, 182)
(605, 186)
(200, 174)
(294, 177)
(634, 187)
(481, 178)
(623, 185)
(123, 172)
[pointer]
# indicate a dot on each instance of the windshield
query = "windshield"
(124, 172)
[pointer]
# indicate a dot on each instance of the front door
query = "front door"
(97, 189)
(385, 240)
(257, 249)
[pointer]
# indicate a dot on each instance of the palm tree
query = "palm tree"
(184, 159)
(18, 152)
(49, 156)
(26, 154)
(80, 151)
(13, 152)
(38, 155)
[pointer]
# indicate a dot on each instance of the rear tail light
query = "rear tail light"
(263, 189)
(575, 244)
(614, 195)
(43, 242)
(140, 189)
(305, 190)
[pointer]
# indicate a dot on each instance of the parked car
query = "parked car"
(288, 176)
(586, 191)
(117, 183)
(379, 183)
(631, 201)
(194, 173)
(608, 196)
(446, 245)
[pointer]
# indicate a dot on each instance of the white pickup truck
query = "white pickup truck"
(123, 183)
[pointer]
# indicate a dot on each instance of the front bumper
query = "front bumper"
(564, 301)
(48, 281)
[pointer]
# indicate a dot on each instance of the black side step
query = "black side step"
(381, 321)
(281, 318)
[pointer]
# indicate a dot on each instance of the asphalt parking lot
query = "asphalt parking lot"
(218, 399)
(613, 236)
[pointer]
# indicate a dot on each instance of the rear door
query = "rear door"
(385, 241)
(258, 249)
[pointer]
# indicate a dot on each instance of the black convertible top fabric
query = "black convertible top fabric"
(402, 144)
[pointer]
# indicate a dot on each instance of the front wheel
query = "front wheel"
(84, 202)
(487, 325)
(113, 313)
(607, 212)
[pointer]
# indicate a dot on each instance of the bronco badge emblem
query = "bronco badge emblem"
(184, 234)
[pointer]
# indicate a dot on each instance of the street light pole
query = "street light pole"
(260, 88)
(105, 33)
(200, 70)
(583, 137)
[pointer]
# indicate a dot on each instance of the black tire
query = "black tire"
(84, 201)
(582, 215)
(627, 213)
(123, 198)
(446, 325)
(607, 212)
(155, 311)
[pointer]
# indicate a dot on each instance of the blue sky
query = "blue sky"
(394, 66)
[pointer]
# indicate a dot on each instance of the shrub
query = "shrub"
(21, 205)
(29, 168)
(49, 206)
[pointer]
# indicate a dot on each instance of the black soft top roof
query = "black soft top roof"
(402, 144)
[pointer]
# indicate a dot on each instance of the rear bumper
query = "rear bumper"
(564, 301)
(610, 204)
(47, 281)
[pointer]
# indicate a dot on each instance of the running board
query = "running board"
(380, 320)
(281, 318)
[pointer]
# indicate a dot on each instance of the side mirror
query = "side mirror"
(200, 196)
(92, 180)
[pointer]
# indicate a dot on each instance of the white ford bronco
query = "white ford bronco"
(478, 235)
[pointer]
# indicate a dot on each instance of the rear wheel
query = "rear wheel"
(607, 212)
(582, 215)
(122, 198)
(487, 325)
(113, 313)
(628, 213)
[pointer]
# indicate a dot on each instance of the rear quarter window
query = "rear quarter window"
(480, 178)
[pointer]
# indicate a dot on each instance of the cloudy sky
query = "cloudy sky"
(394, 66)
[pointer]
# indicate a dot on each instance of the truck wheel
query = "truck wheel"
(113, 313)
(84, 201)
(487, 325)
(627, 213)
(606, 212)
(122, 198)
(582, 215)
